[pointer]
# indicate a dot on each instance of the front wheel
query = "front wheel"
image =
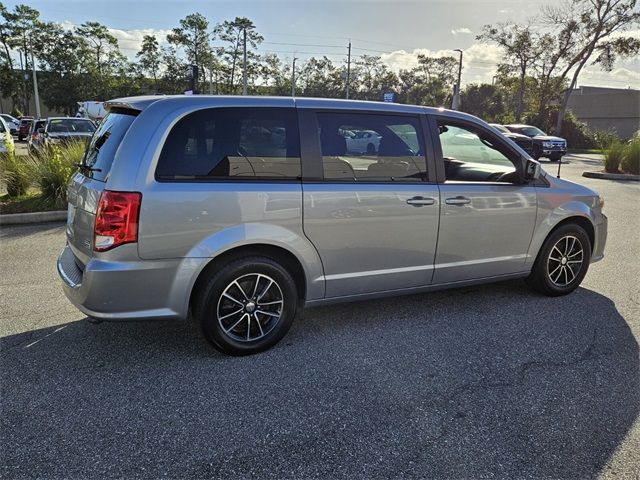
(562, 262)
(555, 158)
(247, 306)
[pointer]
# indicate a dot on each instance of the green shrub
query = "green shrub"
(613, 155)
(15, 172)
(631, 158)
(56, 165)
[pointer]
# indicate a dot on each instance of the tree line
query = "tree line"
(540, 65)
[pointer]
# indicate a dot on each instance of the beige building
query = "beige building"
(607, 108)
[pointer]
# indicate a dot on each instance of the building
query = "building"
(607, 109)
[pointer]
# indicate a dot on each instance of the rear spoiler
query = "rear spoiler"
(116, 105)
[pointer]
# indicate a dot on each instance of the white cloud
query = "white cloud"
(129, 41)
(461, 31)
(478, 61)
(620, 77)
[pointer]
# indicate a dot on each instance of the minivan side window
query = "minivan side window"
(232, 143)
(366, 147)
(472, 156)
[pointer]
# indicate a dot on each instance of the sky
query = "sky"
(394, 29)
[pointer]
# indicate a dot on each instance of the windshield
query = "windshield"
(104, 143)
(70, 125)
(532, 131)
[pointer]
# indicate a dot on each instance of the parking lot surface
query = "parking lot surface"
(490, 381)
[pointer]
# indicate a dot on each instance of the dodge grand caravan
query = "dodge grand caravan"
(239, 211)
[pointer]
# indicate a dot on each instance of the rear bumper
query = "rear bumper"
(131, 290)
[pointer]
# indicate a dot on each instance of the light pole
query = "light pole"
(456, 94)
(36, 95)
(293, 78)
(348, 69)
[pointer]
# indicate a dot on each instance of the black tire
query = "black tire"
(371, 149)
(545, 269)
(555, 158)
(210, 303)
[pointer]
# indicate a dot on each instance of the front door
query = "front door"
(487, 215)
(374, 216)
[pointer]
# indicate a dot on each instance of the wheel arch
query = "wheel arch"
(580, 220)
(274, 252)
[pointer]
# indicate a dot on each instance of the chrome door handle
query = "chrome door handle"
(420, 201)
(458, 201)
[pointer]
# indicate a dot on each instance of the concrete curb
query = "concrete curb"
(612, 176)
(36, 217)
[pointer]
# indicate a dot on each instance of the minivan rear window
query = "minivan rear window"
(232, 144)
(105, 141)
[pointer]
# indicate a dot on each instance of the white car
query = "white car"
(12, 122)
(4, 138)
(362, 141)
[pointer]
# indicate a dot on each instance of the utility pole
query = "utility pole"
(244, 63)
(293, 77)
(348, 68)
(36, 96)
(456, 95)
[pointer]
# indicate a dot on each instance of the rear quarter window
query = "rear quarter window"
(105, 141)
(232, 144)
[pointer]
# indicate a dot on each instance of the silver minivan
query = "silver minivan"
(239, 211)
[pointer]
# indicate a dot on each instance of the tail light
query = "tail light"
(116, 220)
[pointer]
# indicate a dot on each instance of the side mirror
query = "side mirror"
(532, 169)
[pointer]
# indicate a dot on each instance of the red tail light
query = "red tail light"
(116, 220)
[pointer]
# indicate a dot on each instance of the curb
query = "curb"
(36, 217)
(612, 176)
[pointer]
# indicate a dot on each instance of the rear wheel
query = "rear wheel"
(371, 149)
(555, 157)
(563, 261)
(247, 306)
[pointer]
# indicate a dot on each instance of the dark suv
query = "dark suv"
(553, 148)
(524, 142)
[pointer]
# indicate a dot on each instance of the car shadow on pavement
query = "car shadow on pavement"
(480, 381)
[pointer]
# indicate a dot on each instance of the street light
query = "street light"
(456, 94)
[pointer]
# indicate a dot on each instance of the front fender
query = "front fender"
(551, 214)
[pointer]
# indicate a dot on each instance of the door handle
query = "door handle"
(420, 201)
(459, 200)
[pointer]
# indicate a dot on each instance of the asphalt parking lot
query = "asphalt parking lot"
(491, 381)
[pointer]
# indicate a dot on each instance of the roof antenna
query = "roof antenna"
(559, 165)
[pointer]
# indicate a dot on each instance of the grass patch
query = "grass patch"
(631, 159)
(613, 155)
(32, 201)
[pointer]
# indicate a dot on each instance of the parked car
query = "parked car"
(524, 142)
(93, 110)
(361, 141)
(12, 122)
(24, 127)
(187, 204)
(36, 136)
(553, 148)
(4, 127)
(61, 129)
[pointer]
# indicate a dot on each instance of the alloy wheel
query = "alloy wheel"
(250, 307)
(565, 261)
